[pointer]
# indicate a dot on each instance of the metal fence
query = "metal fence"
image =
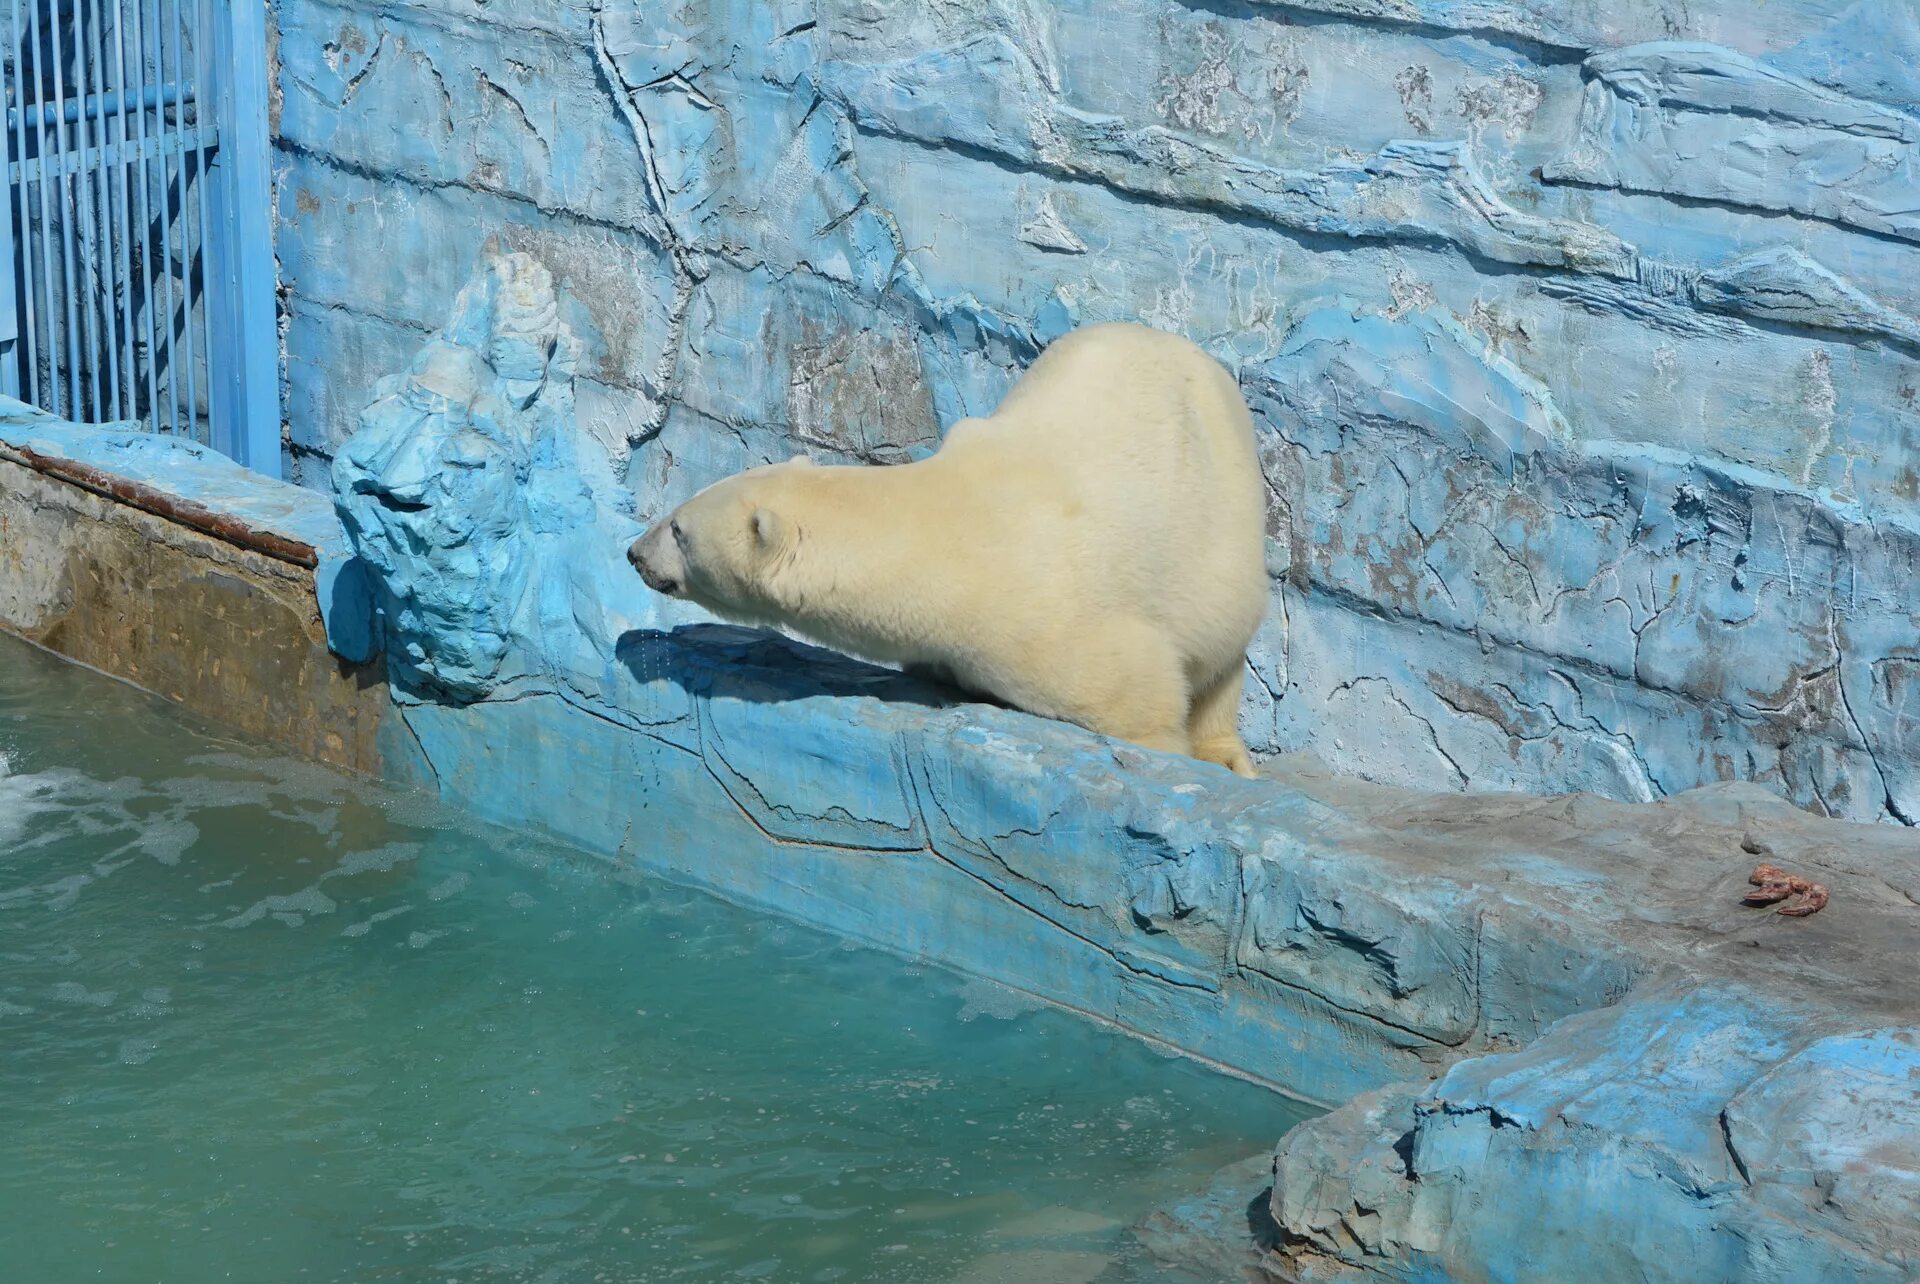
(137, 271)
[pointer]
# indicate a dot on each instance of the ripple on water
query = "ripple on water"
(255, 1014)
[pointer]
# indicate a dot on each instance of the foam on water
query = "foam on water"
(261, 1023)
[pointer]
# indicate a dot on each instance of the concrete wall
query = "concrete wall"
(1582, 338)
(159, 562)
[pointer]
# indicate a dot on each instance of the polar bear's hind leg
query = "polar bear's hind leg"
(1215, 724)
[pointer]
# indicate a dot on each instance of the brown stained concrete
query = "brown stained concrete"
(232, 633)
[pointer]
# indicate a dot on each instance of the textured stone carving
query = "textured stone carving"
(466, 488)
(1704, 122)
(981, 94)
(1783, 284)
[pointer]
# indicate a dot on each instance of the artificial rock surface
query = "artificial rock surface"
(1582, 338)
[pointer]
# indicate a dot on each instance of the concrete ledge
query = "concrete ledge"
(165, 565)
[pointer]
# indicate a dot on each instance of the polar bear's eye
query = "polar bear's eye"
(673, 529)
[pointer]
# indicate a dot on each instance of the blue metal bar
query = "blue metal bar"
(202, 28)
(166, 239)
(24, 248)
(106, 104)
(100, 259)
(88, 283)
(146, 219)
(10, 348)
(95, 158)
(248, 425)
(67, 278)
(49, 315)
(9, 309)
(123, 210)
(188, 183)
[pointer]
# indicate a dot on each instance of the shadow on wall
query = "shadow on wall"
(686, 656)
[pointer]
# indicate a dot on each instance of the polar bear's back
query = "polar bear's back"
(1126, 466)
(1105, 383)
(1141, 424)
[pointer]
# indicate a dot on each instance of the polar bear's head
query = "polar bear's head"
(724, 548)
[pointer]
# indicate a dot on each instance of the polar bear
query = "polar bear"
(1093, 551)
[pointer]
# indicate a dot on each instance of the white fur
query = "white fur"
(1093, 551)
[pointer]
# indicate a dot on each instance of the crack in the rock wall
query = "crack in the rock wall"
(353, 83)
(686, 269)
(490, 87)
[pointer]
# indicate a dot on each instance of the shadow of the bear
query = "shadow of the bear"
(758, 665)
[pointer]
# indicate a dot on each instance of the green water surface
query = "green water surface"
(259, 1022)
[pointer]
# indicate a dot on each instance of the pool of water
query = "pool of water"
(259, 1022)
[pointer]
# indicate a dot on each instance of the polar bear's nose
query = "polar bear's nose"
(658, 580)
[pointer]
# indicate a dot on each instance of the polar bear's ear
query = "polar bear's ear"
(768, 529)
(801, 461)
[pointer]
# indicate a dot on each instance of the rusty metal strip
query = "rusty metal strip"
(222, 526)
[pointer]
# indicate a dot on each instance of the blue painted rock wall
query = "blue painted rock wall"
(1583, 339)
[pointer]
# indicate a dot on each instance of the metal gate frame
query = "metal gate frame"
(114, 162)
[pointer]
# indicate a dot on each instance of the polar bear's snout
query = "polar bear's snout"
(656, 555)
